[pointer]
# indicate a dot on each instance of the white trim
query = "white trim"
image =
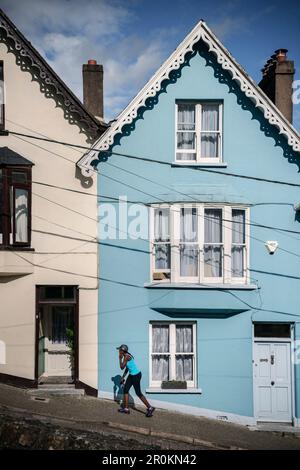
(199, 160)
(297, 422)
(156, 384)
(193, 410)
(174, 62)
(293, 378)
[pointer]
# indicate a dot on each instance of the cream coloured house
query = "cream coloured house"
(48, 221)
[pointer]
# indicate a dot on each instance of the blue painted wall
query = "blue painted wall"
(250, 147)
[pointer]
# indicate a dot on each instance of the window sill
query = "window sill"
(186, 285)
(175, 390)
(199, 164)
(15, 248)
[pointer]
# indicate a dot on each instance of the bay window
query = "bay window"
(199, 132)
(173, 353)
(15, 205)
(200, 243)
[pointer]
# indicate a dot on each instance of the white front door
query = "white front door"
(272, 381)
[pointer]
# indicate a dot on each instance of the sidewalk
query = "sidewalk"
(92, 414)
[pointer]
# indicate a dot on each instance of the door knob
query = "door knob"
(272, 383)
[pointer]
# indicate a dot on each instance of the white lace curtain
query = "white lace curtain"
(184, 344)
(161, 362)
(186, 131)
(160, 344)
(210, 122)
(238, 239)
(21, 215)
(188, 251)
(212, 235)
(161, 235)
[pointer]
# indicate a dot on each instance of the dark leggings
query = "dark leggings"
(135, 381)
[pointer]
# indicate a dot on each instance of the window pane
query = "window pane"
(275, 330)
(213, 226)
(185, 156)
(209, 145)
(188, 225)
(185, 140)
(160, 368)
(237, 261)
(62, 318)
(189, 260)
(19, 176)
(184, 338)
(21, 215)
(212, 261)
(69, 292)
(238, 226)
(160, 338)
(1, 205)
(210, 117)
(57, 293)
(161, 225)
(162, 256)
(184, 367)
(186, 117)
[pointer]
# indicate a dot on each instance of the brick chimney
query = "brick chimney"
(278, 74)
(92, 74)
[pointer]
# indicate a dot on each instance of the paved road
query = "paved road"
(93, 414)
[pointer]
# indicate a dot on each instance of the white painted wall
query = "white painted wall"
(28, 111)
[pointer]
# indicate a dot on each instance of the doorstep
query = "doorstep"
(283, 429)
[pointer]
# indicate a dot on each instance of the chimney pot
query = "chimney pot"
(281, 55)
(277, 82)
(92, 62)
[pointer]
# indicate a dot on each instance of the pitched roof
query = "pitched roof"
(29, 59)
(226, 60)
(9, 157)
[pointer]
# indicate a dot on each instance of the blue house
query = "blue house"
(198, 183)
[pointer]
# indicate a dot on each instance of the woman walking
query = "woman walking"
(126, 361)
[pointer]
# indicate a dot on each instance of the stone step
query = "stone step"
(56, 390)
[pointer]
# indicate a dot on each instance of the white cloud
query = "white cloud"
(68, 33)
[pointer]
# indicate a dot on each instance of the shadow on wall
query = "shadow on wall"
(223, 77)
(118, 391)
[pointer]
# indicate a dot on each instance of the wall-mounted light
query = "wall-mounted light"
(297, 207)
(271, 246)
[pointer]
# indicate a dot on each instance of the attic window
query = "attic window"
(199, 132)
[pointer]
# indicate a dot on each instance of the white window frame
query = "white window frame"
(226, 277)
(153, 269)
(198, 131)
(172, 352)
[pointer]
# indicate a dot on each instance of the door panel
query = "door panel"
(272, 381)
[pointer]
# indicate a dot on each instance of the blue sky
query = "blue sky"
(133, 37)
